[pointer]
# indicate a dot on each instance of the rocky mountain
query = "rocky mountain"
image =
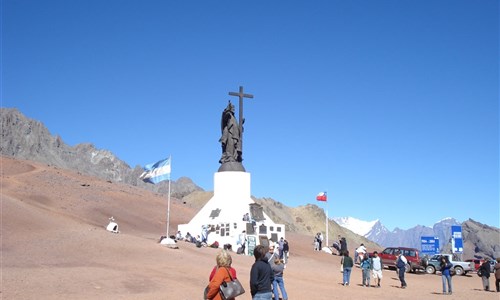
(479, 240)
(27, 139)
(24, 138)
(377, 231)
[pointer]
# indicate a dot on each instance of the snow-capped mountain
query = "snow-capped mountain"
(357, 226)
(377, 232)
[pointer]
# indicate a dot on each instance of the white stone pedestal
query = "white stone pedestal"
(223, 213)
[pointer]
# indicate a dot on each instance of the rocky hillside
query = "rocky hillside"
(310, 219)
(25, 138)
(481, 240)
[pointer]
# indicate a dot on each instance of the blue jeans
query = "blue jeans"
(347, 274)
(366, 276)
(278, 280)
(446, 278)
(263, 296)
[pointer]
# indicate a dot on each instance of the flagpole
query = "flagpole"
(326, 204)
(168, 202)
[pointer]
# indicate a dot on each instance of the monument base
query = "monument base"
(224, 213)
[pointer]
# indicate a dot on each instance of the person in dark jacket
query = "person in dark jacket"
(343, 246)
(401, 262)
(445, 274)
(497, 275)
(347, 264)
(286, 248)
(261, 275)
(485, 274)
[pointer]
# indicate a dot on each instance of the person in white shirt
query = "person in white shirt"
(377, 267)
(359, 253)
(242, 241)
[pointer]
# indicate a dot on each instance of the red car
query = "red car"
(476, 263)
(388, 257)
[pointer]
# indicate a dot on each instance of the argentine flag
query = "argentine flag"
(154, 173)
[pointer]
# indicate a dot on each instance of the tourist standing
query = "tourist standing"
(445, 274)
(261, 276)
(401, 265)
(497, 274)
(278, 268)
(343, 245)
(242, 240)
(220, 273)
(359, 253)
(316, 242)
(377, 268)
(320, 240)
(485, 274)
(286, 249)
(347, 265)
(271, 255)
(366, 268)
(280, 247)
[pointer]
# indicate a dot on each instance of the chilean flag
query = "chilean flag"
(321, 196)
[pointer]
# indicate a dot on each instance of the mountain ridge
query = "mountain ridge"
(24, 138)
(486, 246)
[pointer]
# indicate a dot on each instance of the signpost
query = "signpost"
(457, 243)
(429, 245)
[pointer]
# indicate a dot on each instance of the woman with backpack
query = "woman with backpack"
(446, 274)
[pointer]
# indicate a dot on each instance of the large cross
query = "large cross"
(241, 95)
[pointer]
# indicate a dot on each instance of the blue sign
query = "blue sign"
(429, 245)
(457, 244)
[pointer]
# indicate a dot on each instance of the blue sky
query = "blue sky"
(392, 107)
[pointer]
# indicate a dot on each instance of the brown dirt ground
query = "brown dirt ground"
(54, 246)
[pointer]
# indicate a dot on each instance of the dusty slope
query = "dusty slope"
(54, 246)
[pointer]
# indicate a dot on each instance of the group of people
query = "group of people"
(484, 270)
(318, 241)
(340, 245)
(370, 266)
(266, 274)
(485, 274)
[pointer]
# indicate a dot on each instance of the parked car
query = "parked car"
(460, 267)
(389, 256)
(476, 262)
